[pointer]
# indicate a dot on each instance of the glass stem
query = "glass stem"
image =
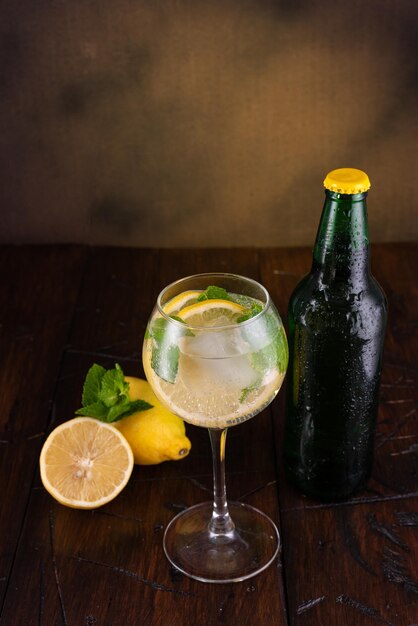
(220, 523)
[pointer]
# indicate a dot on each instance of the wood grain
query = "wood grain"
(113, 557)
(39, 288)
(348, 563)
(354, 564)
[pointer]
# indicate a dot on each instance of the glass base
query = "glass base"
(244, 552)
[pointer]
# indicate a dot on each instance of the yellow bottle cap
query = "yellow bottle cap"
(347, 180)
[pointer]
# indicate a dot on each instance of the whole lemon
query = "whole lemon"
(155, 435)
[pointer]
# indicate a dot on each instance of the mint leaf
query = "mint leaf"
(282, 351)
(134, 407)
(268, 342)
(264, 359)
(157, 329)
(256, 308)
(178, 319)
(214, 293)
(97, 409)
(275, 353)
(165, 351)
(165, 362)
(92, 384)
(247, 390)
(106, 395)
(116, 411)
(113, 388)
(140, 405)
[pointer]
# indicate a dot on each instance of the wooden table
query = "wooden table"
(353, 563)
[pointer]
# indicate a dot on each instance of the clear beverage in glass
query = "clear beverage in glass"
(215, 354)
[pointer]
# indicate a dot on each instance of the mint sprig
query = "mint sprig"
(106, 395)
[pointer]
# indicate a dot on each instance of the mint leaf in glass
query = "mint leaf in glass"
(255, 309)
(268, 342)
(165, 351)
(247, 390)
(214, 293)
(165, 362)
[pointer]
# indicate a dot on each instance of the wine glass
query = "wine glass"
(215, 354)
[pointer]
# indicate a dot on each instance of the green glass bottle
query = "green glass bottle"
(337, 319)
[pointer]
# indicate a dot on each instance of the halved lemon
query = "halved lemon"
(181, 301)
(85, 463)
(212, 313)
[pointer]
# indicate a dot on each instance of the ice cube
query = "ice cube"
(233, 373)
(214, 344)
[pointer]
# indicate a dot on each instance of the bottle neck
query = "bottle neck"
(341, 252)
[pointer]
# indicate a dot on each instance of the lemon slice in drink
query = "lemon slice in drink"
(181, 301)
(212, 313)
(85, 463)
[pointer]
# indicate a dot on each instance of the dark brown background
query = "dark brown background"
(191, 122)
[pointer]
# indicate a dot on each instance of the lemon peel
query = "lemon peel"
(155, 435)
(182, 300)
(214, 312)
